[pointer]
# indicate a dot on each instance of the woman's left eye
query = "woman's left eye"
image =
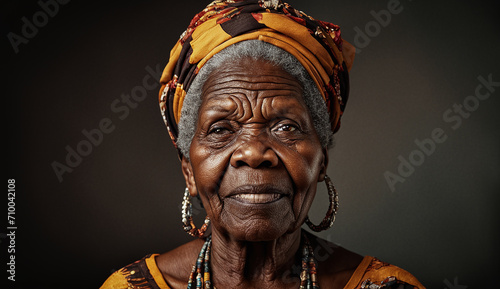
(287, 127)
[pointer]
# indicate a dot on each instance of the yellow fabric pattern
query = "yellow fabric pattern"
(317, 45)
(209, 38)
(116, 281)
(376, 271)
(121, 279)
(155, 272)
(370, 269)
(300, 34)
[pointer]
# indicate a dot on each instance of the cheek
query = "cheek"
(304, 167)
(208, 170)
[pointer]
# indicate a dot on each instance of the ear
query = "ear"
(187, 171)
(324, 165)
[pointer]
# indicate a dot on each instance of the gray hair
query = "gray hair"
(255, 49)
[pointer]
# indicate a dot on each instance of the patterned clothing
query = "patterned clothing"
(317, 45)
(370, 274)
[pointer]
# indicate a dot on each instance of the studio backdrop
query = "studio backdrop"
(94, 183)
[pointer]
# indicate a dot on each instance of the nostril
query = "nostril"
(266, 164)
(261, 164)
(240, 163)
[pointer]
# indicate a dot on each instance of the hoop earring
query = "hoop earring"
(329, 219)
(187, 218)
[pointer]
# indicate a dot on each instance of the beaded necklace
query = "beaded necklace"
(200, 277)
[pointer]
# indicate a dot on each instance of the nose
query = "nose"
(255, 153)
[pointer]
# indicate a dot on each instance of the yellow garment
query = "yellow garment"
(370, 270)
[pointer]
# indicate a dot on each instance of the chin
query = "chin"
(258, 231)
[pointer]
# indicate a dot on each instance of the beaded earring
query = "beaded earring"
(187, 218)
(327, 222)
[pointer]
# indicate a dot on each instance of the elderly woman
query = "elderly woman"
(251, 96)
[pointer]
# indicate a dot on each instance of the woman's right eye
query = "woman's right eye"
(218, 130)
(219, 134)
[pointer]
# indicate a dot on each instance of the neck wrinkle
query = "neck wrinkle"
(238, 264)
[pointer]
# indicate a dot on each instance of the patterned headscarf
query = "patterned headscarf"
(317, 45)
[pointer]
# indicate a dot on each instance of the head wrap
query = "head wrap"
(317, 45)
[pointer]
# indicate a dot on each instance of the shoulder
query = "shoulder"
(140, 274)
(336, 265)
(176, 265)
(153, 270)
(341, 268)
(373, 273)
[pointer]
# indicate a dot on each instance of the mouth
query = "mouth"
(257, 194)
(257, 198)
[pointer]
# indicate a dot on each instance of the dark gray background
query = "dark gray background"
(122, 201)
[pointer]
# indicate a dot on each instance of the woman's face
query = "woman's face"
(255, 158)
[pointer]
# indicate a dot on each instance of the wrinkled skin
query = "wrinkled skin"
(255, 161)
(255, 135)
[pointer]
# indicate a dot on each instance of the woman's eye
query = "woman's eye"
(219, 130)
(287, 128)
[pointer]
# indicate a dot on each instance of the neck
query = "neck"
(267, 264)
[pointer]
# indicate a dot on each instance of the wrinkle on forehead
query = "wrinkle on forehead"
(248, 71)
(250, 82)
(250, 91)
(252, 105)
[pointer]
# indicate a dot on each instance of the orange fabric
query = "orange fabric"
(120, 279)
(300, 34)
(115, 281)
(209, 39)
(206, 37)
(180, 93)
(370, 269)
(377, 271)
(155, 271)
(357, 276)
(317, 45)
(305, 57)
(169, 69)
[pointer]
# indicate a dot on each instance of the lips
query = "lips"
(257, 198)
(261, 194)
